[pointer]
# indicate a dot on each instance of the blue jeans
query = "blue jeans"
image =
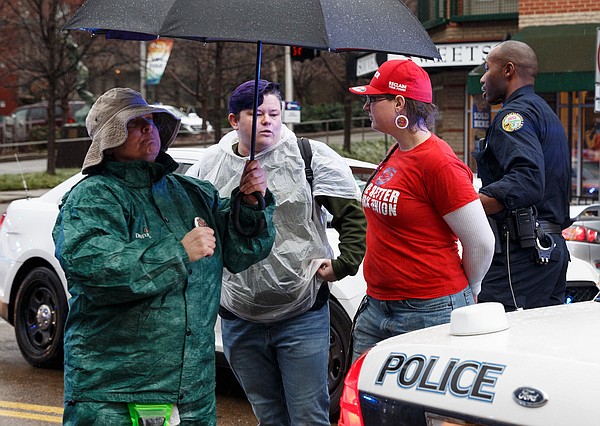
(282, 367)
(377, 320)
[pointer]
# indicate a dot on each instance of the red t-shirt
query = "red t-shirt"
(411, 251)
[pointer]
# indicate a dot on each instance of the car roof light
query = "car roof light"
(481, 318)
(350, 413)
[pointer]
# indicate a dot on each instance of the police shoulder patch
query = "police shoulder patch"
(512, 122)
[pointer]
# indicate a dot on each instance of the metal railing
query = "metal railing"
(432, 13)
(328, 131)
(333, 127)
(465, 10)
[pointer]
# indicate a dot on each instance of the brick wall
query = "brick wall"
(557, 12)
(559, 19)
(550, 7)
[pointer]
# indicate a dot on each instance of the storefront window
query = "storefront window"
(576, 111)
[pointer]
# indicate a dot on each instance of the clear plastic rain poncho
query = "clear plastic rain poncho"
(284, 284)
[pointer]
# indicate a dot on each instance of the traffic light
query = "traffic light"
(300, 53)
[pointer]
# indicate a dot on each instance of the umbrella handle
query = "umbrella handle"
(235, 215)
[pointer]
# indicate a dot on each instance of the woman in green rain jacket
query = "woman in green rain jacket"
(144, 281)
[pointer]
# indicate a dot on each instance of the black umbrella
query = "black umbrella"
(334, 25)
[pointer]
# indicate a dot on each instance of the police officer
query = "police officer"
(525, 173)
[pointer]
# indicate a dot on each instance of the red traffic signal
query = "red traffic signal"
(299, 53)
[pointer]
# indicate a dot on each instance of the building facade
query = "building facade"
(563, 34)
(564, 37)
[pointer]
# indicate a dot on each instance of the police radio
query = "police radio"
(524, 223)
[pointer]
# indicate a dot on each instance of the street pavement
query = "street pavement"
(23, 166)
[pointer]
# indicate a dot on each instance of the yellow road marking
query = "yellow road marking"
(31, 407)
(30, 416)
(31, 411)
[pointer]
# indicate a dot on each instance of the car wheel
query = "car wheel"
(339, 342)
(39, 318)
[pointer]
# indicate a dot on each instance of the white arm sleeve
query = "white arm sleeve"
(472, 228)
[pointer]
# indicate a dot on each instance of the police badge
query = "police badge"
(512, 122)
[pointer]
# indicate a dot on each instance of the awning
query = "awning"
(566, 55)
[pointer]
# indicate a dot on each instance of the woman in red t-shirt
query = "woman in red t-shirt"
(419, 203)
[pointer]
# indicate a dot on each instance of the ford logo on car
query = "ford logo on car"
(529, 397)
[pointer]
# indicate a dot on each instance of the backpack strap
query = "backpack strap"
(306, 151)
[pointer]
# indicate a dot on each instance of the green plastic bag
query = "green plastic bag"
(150, 414)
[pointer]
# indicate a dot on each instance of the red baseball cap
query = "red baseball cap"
(399, 77)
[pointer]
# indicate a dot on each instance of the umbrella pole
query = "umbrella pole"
(237, 200)
(255, 111)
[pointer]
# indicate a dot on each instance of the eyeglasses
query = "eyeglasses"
(142, 121)
(376, 98)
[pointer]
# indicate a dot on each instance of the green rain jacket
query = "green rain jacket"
(141, 321)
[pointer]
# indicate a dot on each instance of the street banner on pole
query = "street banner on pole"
(158, 52)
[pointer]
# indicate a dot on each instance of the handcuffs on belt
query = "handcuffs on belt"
(544, 244)
(523, 224)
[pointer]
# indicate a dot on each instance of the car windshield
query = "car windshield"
(361, 178)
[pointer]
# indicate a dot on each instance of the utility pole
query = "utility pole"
(143, 69)
(289, 81)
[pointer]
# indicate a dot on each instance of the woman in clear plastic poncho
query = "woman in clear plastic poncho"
(275, 315)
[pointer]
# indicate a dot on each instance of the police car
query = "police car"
(486, 367)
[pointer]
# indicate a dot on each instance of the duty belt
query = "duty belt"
(550, 227)
(544, 243)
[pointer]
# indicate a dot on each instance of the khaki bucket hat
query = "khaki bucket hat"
(107, 121)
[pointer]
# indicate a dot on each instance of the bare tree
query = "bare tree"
(336, 70)
(51, 63)
(196, 69)
(45, 58)
(210, 72)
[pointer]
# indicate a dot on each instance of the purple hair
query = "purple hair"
(243, 96)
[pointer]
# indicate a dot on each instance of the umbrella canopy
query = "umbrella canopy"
(335, 25)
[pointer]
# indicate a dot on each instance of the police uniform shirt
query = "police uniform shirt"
(526, 158)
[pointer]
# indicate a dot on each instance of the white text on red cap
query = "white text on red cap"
(397, 86)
